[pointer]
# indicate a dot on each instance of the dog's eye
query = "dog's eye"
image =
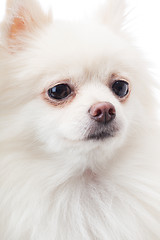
(120, 88)
(59, 91)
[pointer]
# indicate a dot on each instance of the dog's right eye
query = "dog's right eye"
(59, 92)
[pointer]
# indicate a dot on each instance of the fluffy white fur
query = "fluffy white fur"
(54, 185)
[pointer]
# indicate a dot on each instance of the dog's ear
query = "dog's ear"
(22, 17)
(113, 13)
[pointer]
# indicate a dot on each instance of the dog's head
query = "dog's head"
(72, 87)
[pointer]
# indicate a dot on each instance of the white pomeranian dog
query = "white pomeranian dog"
(79, 139)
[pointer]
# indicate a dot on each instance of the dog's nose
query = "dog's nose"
(102, 112)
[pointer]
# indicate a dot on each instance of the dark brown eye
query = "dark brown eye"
(59, 92)
(120, 88)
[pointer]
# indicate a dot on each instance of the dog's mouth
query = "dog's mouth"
(102, 132)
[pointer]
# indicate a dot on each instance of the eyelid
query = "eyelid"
(113, 80)
(64, 81)
(119, 80)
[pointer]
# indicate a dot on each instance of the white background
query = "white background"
(144, 25)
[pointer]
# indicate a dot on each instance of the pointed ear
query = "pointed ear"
(113, 14)
(22, 17)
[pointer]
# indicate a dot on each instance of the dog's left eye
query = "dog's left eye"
(120, 88)
(59, 91)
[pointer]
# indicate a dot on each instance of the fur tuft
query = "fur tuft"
(113, 14)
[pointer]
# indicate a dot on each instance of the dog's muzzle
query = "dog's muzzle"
(103, 124)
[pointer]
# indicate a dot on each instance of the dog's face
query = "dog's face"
(85, 94)
(84, 86)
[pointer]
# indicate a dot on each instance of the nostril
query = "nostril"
(98, 112)
(112, 112)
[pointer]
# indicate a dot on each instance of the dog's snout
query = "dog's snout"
(102, 112)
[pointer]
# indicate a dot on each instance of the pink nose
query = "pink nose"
(102, 112)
